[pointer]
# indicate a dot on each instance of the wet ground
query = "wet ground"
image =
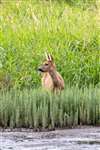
(69, 139)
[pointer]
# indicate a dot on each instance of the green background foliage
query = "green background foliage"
(69, 30)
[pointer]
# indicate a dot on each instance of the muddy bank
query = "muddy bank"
(84, 138)
(46, 129)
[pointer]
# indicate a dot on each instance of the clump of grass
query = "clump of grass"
(70, 33)
(41, 109)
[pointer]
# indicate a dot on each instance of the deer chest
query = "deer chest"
(47, 81)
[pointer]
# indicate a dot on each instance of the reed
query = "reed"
(39, 109)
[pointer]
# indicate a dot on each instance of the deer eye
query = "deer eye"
(46, 64)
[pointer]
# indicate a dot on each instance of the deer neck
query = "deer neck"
(53, 74)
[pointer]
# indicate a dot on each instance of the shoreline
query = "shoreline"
(47, 130)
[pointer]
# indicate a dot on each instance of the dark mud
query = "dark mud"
(69, 139)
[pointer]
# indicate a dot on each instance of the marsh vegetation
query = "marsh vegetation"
(70, 31)
(39, 109)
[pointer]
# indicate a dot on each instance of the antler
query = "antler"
(51, 57)
(46, 55)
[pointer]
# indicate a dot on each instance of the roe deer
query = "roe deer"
(51, 79)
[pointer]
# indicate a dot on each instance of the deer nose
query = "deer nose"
(39, 69)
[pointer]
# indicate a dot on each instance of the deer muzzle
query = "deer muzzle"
(40, 69)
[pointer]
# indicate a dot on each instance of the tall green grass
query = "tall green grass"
(41, 109)
(71, 34)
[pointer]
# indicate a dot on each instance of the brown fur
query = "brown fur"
(51, 79)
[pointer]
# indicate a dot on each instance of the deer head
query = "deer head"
(48, 65)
